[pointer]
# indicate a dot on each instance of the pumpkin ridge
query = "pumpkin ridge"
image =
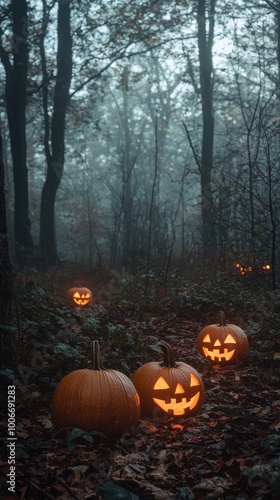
(79, 385)
(126, 393)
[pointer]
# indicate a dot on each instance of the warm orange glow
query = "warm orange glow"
(79, 296)
(81, 300)
(161, 384)
(243, 270)
(230, 339)
(222, 343)
(178, 408)
(207, 338)
(179, 389)
(194, 380)
(215, 354)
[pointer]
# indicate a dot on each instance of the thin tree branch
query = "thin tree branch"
(192, 147)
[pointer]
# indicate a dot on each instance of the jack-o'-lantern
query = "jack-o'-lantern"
(79, 296)
(96, 399)
(222, 344)
(168, 388)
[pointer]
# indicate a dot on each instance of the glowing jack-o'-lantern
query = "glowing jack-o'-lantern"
(167, 387)
(79, 296)
(222, 344)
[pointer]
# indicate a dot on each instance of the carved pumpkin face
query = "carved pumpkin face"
(170, 388)
(178, 401)
(222, 344)
(79, 296)
(219, 350)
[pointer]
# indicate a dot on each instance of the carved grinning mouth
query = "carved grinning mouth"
(216, 354)
(178, 408)
(81, 300)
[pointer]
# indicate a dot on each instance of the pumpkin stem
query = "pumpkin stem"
(96, 356)
(222, 319)
(168, 354)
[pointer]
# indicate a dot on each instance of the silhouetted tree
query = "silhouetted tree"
(205, 44)
(55, 138)
(15, 64)
(7, 351)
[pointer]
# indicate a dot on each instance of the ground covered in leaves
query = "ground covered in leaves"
(229, 450)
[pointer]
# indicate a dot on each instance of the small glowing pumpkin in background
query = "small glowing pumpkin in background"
(96, 399)
(167, 387)
(79, 296)
(222, 344)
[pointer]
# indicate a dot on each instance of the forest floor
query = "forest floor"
(229, 450)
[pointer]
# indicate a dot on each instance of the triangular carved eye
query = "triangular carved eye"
(194, 380)
(207, 338)
(230, 339)
(76, 295)
(161, 384)
(179, 389)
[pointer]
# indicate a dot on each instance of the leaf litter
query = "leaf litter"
(229, 450)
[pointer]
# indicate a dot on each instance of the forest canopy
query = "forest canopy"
(142, 131)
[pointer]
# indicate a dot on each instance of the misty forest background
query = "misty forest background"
(142, 131)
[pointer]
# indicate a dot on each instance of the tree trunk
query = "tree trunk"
(6, 272)
(127, 173)
(205, 43)
(16, 82)
(7, 337)
(55, 160)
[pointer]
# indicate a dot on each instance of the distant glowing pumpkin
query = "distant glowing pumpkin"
(222, 344)
(169, 388)
(79, 296)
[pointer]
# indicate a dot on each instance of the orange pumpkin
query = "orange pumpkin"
(222, 344)
(79, 296)
(168, 388)
(96, 399)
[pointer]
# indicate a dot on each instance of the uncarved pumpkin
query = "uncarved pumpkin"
(79, 296)
(168, 388)
(96, 399)
(222, 344)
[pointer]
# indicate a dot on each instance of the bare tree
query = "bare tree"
(54, 140)
(7, 341)
(15, 94)
(205, 44)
